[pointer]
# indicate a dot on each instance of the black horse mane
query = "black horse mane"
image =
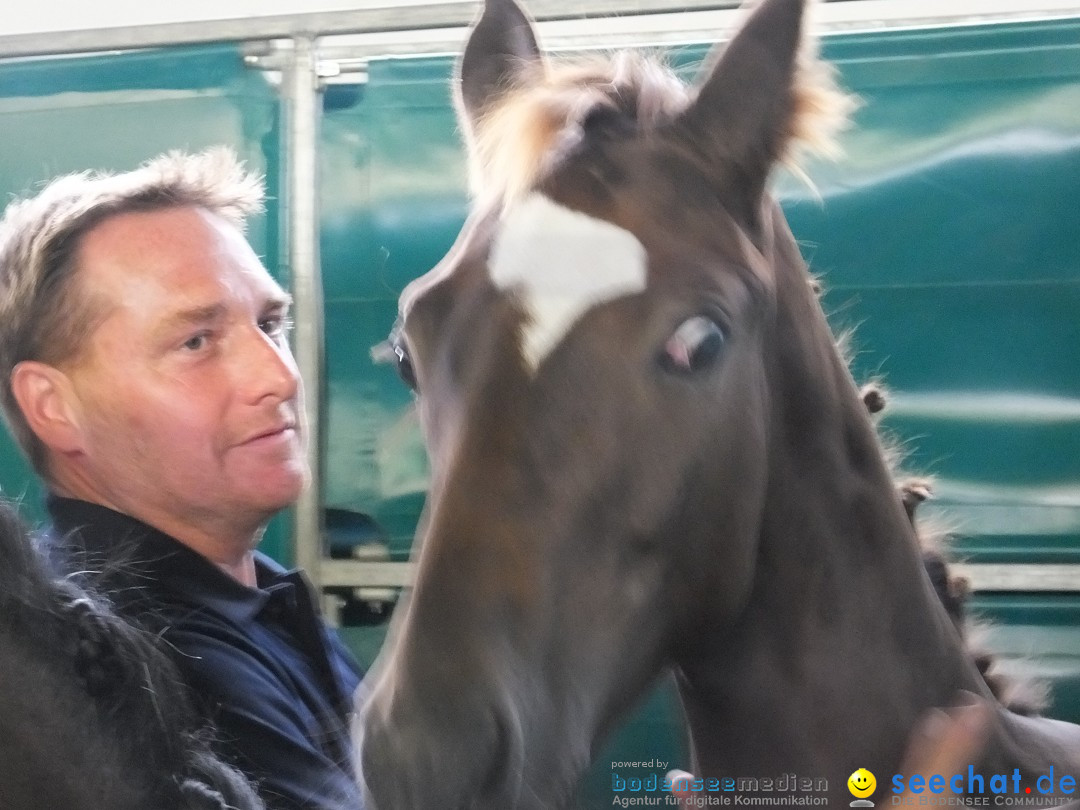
(93, 713)
(1025, 697)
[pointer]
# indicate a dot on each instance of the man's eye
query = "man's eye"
(196, 342)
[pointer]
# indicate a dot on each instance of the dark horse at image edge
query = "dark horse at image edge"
(93, 714)
(648, 454)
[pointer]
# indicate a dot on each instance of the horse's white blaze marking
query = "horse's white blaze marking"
(562, 263)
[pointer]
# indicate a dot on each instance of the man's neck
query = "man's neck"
(230, 547)
(242, 571)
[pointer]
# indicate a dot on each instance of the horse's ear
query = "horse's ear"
(744, 114)
(501, 49)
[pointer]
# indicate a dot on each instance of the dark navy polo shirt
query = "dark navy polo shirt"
(270, 675)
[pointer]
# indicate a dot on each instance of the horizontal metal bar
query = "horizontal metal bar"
(363, 574)
(380, 15)
(605, 23)
(1020, 577)
(661, 29)
(982, 576)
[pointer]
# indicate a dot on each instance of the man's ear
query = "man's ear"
(49, 404)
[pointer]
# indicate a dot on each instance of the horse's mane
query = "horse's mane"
(111, 692)
(1026, 696)
(526, 129)
(1020, 695)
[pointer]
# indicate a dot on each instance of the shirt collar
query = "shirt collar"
(125, 551)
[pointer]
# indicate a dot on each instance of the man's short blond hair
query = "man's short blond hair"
(45, 315)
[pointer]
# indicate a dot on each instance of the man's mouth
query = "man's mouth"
(283, 430)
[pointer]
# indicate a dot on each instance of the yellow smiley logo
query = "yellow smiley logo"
(861, 783)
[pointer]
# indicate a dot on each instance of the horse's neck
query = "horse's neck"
(842, 644)
(841, 647)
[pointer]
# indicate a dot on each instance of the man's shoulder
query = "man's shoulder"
(111, 551)
(208, 644)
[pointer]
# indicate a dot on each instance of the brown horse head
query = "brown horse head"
(646, 450)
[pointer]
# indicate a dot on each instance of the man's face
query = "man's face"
(189, 395)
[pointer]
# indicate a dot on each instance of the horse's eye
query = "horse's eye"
(404, 365)
(395, 350)
(694, 347)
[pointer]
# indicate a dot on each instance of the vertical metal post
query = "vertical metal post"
(300, 83)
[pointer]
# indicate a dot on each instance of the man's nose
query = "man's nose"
(266, 368)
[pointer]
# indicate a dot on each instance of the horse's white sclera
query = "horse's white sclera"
(562, 263)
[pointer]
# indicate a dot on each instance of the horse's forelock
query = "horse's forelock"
(526, 131)
(529, 128)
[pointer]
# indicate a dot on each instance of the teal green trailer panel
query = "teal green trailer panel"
(945, 236)
(111, 112)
